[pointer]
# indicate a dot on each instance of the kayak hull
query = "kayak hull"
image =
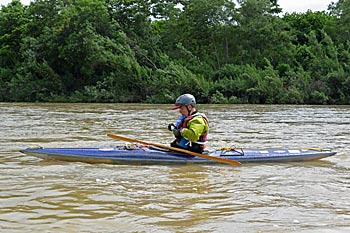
(120, 155)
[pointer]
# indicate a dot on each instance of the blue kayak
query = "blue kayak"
(154, 155)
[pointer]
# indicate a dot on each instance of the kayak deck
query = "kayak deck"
(152, 155)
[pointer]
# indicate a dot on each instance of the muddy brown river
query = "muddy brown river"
(55, 196)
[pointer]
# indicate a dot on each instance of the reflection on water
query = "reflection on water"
(54, 196)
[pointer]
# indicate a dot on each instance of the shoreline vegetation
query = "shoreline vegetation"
(137, 51)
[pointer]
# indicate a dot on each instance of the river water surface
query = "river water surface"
(54, 196)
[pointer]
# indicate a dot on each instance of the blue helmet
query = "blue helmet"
(185, 100)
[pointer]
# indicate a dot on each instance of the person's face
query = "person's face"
(183, 110)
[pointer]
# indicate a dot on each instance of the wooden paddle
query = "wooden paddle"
(222, 160)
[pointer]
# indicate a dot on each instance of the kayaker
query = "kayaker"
(192, 127)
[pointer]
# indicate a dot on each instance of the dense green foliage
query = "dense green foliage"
(222, 51)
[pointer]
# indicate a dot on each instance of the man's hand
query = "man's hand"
(177, 133)
(171, 127)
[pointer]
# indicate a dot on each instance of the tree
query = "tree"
(262, 35)
(202, 28)
(302, 24)
(13, 26)
(341, 11)
(13, 23)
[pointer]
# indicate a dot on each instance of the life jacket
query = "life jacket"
(183, 142)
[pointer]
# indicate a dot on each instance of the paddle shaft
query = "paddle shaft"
(222, 160)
